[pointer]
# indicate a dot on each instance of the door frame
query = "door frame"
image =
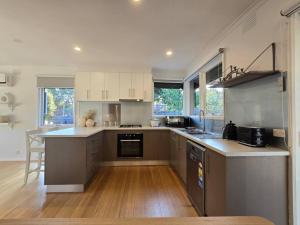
(294, 122)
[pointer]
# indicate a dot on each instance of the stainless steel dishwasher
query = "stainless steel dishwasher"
(196, 176)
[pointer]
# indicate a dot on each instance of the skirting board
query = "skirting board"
(136, 163)
(65, 188)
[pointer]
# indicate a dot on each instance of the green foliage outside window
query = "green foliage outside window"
(214, 101)
(168, 101)
(196, 107)
(58, 106)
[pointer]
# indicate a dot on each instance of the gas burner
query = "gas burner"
(130, 125)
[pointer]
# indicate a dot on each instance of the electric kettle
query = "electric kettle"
(230, 131)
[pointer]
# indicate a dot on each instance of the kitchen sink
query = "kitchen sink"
(198, 133)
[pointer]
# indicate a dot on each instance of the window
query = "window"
(211, 100)
(168, 98)
(195, 95)
(56, 106)
(214, 102)
(214, 97)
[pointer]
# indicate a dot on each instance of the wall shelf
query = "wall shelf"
(241, 79)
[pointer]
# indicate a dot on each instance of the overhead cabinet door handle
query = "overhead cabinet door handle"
(106, 94)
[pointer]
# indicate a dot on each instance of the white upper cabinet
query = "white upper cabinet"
(82, 86)
(131, 86)
(125, 86)
(148, 87)
(112, 87)
(137, 85)
(97, 86)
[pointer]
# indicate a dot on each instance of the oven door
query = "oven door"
(130, 145)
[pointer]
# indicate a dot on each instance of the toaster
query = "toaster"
(252, 136)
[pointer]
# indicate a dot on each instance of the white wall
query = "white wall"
(249, 35)
(25, 92)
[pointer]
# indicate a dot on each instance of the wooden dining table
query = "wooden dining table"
(141, 221)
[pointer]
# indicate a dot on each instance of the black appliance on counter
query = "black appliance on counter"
(130, 145)
(178, 121)
(230, 131)
(252, 136)
(196, 176)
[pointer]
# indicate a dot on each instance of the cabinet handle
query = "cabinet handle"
(129, 92)
(102, 91)
(133, 90)
(145, 94)
(106, 94)
(87, 94)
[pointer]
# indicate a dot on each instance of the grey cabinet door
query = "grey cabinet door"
(93, 146)
(182, 159)
(110, 143)
(156, 145)
(174, 150)
(65, 161)
(215, 184)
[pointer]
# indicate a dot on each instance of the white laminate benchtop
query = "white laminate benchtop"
(225, 147)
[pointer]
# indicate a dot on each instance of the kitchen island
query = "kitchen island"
(74, 154)
(239, 180)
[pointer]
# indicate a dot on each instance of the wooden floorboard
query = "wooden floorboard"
(115, 192)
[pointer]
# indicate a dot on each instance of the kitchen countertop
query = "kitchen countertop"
(225, 147)
(239, 220)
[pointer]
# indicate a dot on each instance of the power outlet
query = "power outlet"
(279, 133)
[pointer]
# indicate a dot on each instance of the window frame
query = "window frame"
(201, 74)
(168, 82)
(41, 91)
(192, 94)
(203, 91)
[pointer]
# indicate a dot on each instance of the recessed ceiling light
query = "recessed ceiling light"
(169, 53)
(136, 1)
(78, 49)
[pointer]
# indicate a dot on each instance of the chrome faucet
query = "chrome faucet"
(204, 119)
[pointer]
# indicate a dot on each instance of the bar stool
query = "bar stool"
(35, 144)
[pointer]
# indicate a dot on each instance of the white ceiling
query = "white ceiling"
(111, 33)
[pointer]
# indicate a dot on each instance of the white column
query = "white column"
(295, 115)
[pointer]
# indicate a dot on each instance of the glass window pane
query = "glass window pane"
(58, 106)
(196, 108)
(214, 101)
(168, 100)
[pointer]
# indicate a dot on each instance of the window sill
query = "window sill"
(57, 126)
(209, 117)
(160, 116)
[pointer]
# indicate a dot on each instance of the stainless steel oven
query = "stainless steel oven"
(130, 145)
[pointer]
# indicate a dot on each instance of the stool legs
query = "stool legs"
(27, 167)
(40, 158)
